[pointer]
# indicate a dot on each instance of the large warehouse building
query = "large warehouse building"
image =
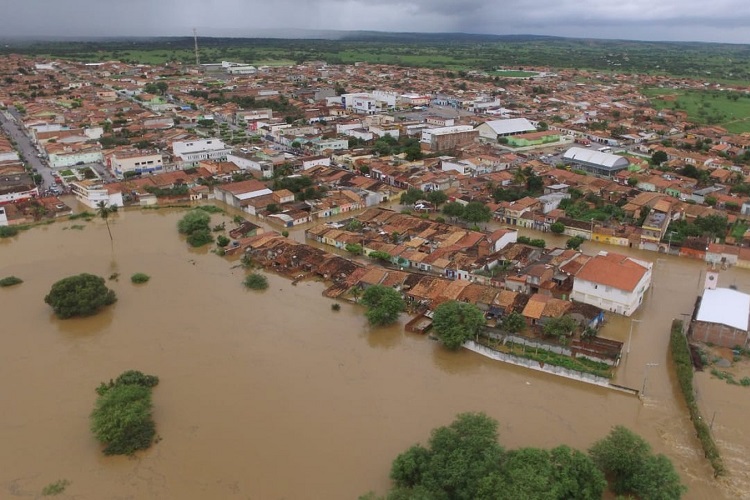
(502, 128)
(595, 162)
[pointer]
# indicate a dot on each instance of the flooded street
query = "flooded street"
(272, 395)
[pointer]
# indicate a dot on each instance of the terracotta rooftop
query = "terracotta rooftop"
(615, 270)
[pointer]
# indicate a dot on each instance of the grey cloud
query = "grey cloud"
(721, 21)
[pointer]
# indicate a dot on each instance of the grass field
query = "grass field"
(730, 110)
(706, 62)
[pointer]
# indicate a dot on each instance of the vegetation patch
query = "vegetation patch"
(8, 231)
(121, 419)
(56, 488)
(509, 73)
(83, 215)
(256, 281)
(212, 209)
(384, 304)
(684, 368)
(77, 227)
(456, 322)
(196, 225)
(80, 295)
(465, 460)
(583, 365)
(10, 281)
(728, 109)
(138, 278)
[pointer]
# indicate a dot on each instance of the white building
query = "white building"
(91, 192)
(17, 187)
(139, 162)
(501, 238)
(250, 162)
(360, 133)
(613, 282)
(500, 128)
(71, 158)
(235, 193)
(383, 130)
(313, 161)
(191, 152)
(3, 217)
(334, 144)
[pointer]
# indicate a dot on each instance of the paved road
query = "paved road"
(26, 148)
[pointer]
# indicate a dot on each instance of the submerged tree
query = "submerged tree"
(80, 295)
(121, 419)
(626, 458)
(456, 322)
(384, 305)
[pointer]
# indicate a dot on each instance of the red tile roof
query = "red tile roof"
(615, 270)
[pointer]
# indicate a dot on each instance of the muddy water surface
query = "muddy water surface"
(272, 395)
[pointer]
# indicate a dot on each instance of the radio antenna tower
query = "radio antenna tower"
(197, 57)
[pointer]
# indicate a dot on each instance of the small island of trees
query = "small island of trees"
(121, 419)
(80, 295)
(196, 225)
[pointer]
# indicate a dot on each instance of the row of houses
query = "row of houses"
(611, 281)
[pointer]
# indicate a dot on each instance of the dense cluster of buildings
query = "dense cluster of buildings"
(300, 144)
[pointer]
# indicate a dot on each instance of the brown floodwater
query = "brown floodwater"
(272, 395)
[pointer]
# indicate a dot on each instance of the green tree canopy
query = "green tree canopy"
(557, 227)
(514, 322)
(437, 197)
(121, 419)
(476, 211)
(456, 322)
(561, 473)
(627, 460)
(79, 295)
(659, 157)
(411, 196)
(384, 305)
(194, 220)
(575, 242)
(195, 224)
(453, 209)
(561, 327)
(455, 461)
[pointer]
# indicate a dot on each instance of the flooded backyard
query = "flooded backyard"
(273, 395)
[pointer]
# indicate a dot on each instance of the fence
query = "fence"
(547, 368)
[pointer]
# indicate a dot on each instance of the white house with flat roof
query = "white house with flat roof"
(92, 192)
(191, 152)
(122, 162)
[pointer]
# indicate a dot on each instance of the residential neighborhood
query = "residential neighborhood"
(300, 238)
(409, 178)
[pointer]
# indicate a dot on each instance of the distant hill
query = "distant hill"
(453, 52)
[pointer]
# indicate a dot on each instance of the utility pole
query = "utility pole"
(630, 335)
(195, 39)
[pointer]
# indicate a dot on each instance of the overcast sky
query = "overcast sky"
(686, 20)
